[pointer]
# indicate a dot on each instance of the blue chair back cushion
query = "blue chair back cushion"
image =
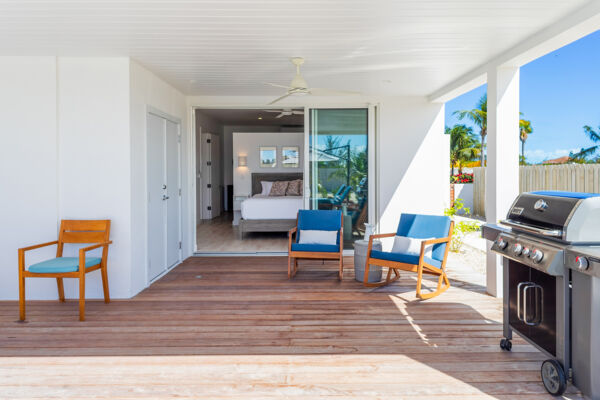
(319, 220)
(420, 226)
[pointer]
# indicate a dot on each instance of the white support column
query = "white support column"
(502, 180)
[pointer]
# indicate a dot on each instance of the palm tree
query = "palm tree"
(582, 155)
(525, 129)
(478, 116)
(463, 146)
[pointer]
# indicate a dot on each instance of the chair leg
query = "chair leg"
(295, 270)
(419, 279)
(21, 297)
(61, 290)
(387, 280)
(289, 267)
(442, 286)
(341, 274)
(104, 272)
(82, 298)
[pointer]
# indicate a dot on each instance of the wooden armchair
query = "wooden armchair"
(416, 226)
(71, 231)
(316, 220)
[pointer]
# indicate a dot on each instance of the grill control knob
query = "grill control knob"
(501, 243)
(517, 249)
(582, 263)
(537, 255)
(526, 251)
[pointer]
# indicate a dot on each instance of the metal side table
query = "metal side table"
(360, 258)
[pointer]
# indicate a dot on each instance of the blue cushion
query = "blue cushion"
(420, 226)
(403, 258)
(319, 220)
(313, 248)
(339, 198)
(62, 264)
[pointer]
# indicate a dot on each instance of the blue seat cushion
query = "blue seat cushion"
(313, 248)
(319, 220)
(403, 258)
(62, 264)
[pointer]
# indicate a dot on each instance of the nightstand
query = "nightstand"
(237, 207)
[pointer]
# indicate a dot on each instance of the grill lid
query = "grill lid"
(544, 211)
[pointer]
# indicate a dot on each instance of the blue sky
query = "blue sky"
(560, 93)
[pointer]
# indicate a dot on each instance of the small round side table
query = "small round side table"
(360, 258)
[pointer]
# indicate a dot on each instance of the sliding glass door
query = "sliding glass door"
(338, 159)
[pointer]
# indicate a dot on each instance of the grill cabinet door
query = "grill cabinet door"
(544, 333)
(519, 275)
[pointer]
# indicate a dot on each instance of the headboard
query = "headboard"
(272, 177)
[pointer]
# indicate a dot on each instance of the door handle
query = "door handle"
(164, 187)
(519, 306)
(538, 309)
(165, 197)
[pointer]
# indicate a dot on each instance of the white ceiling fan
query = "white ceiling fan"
(285, 112)
(299, 85)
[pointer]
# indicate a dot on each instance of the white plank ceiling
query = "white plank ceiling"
(228, 47)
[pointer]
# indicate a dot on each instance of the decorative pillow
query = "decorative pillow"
(318, 237)
(408, 245)
(266, 187)
(279, 188)
(294, 188)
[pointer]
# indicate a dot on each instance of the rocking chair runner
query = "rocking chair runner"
(71, 231)
(416, 226)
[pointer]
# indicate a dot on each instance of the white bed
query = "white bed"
(271, 207)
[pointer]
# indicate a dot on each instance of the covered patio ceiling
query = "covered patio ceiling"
(227, 47)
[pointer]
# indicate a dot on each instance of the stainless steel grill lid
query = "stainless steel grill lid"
(566, 216)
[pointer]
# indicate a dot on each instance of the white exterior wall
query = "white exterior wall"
(28, 168)
(73, 146)
(414, 157)
(146, 89)
(93, 154)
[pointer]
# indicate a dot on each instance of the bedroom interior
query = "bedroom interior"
(235, 170)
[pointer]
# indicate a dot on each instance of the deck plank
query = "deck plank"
(232, 328)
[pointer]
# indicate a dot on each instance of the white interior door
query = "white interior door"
(163, 194)
(156, 205)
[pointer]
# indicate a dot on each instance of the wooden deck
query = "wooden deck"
(232, 328)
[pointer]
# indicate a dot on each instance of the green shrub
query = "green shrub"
(461, 228)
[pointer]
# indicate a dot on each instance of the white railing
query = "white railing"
(570, 177)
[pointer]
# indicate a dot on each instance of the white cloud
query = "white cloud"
(537, 156)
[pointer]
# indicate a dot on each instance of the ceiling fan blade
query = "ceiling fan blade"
(280, 115)
(280, 98)
(298, 112)
(276, 85)
(272, 111)
(332, 92)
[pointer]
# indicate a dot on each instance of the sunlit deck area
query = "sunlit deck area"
(237, 327)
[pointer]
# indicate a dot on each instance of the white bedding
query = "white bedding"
(271, 207)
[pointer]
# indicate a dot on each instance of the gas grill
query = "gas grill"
(550, 244)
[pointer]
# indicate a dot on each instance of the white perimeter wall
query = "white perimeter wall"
(248, 143)
(73, 146)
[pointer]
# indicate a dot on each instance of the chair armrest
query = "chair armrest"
(37, 246)
(292, 231)
(435, 241)
(22, 251)
(382, 235)
(84, 250)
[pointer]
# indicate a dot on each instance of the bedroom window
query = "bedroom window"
(338, 167)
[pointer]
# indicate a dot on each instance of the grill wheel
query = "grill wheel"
(553, 377)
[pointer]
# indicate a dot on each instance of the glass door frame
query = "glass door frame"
(372, 144)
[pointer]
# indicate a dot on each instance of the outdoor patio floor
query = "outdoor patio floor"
(232, 328)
